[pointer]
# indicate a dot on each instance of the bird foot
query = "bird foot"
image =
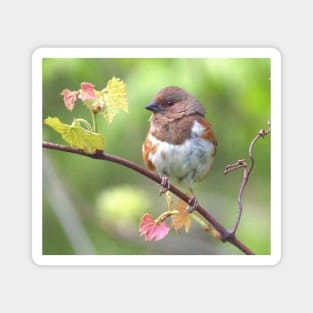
(165, 185)
(192, 204)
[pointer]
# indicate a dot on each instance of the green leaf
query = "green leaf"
(114, 98)
(77, 136)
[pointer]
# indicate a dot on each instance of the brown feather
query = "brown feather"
(208, 133)
(148, 148)
(177, 131)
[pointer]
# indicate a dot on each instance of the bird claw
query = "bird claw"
(192, 204)
(165, 185)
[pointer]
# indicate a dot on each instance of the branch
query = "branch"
(246, 173)
(100, 155)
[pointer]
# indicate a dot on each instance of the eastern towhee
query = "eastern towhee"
(180, 144)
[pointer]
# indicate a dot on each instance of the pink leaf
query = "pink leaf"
(70, 98)
(146, 222)
(87, 92)
(152, 230)
(161, 231)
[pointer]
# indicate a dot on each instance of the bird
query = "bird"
(180, 145)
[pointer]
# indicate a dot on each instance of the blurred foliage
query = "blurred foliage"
(111, 199)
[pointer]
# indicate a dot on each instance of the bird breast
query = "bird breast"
(184, 163)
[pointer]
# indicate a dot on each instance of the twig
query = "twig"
(246, 173)
(225, 234)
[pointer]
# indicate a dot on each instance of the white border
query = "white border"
(41, 53)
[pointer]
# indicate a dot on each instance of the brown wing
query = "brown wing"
(208, 133)
(148, 148)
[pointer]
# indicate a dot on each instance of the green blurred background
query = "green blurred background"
(95, 207)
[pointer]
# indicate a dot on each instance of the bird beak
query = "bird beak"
(154, 107)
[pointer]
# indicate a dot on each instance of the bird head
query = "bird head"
(174, 103)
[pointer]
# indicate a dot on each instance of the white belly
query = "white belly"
(185, 163)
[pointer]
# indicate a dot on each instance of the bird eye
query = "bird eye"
(170, 103)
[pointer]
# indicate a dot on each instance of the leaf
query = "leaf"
(87, 92)
(181, 218)
(169, 200)
(151, 229)
(114, 98)
(77, 136)
(70, 98)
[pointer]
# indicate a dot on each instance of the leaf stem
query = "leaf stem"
(94, 121)
(84, 122)
(165, 215)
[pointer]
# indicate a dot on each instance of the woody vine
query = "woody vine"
(84, 140)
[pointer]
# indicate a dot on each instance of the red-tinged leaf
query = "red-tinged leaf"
(70, 98)
(161, 231)
(146, 223)
(87, 92)
(151, 229)
(149, 234)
